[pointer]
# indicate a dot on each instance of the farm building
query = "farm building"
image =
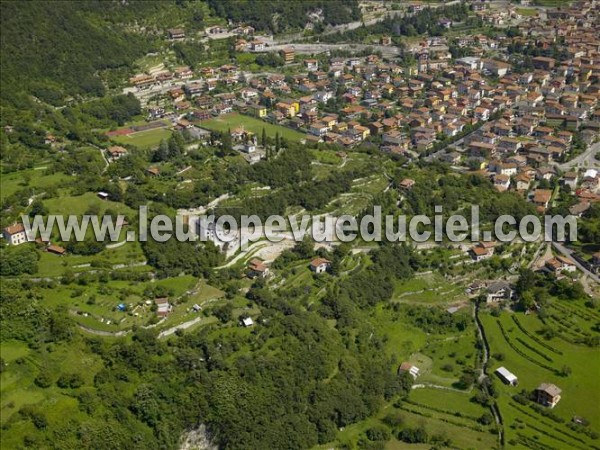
(506, 376)
(56, 249)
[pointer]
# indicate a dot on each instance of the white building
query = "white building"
(506, 376)
(15, 234)
(320, 265)
(407, 367)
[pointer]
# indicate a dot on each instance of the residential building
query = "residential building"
(497, 291)
(548, 394)
(257, 269)
(406, 367)
(15, 234)
(320, 265)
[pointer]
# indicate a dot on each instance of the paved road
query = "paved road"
(586, 160)
(568, 253)
(385, 50)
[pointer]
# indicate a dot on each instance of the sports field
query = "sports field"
(234, 120)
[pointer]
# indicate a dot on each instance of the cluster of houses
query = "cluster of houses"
(526, 121)
(258, 269)
(179, 34)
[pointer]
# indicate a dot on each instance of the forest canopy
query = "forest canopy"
(280, 15)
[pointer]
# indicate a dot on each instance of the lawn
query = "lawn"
(234, 120)
(144, 139)
(35, 179)
(79, 205)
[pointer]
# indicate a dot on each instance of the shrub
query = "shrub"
(378, 434)
(393, 419)
(43, 380)
(486, 419)
(413, 435)
(72, 381)
(447, 367)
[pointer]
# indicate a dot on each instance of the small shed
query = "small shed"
(56, 249)
(247, 322)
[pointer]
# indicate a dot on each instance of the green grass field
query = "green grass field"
(35, 179)
(54, 403)
(552, 3)
(234, 120)
(434, 423)
(80, 204)
(144, 139)
(580, 396)
(93, 305)
(527, 12)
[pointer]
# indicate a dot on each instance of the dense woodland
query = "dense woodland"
(425, 21)
(281, 15)
(55, 52)
(289, 384)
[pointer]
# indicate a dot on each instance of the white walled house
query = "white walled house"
(15, 234)
(320, 265)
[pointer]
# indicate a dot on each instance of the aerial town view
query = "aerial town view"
(300, 224)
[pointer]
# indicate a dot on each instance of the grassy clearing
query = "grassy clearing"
(440, 358)
(456, 402)
(18, 388)
(144, 139)
(51, 265)
(79, 205)
(460, 436)
(402, 340)
(37, 180)
(95, 305)
(327, 157)
(428, 289)
(234, 120)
